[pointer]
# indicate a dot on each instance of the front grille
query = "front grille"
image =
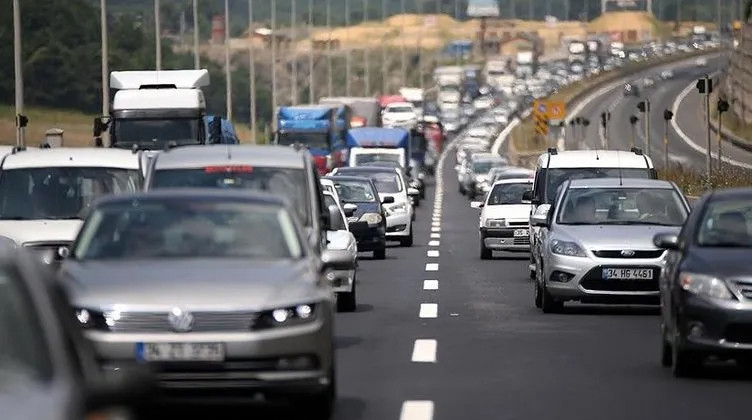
(44, 246)
(744, 287)
(653, 253)
(519, 224)
(593, 280)
(202, 322)
(738, 333)
(525, 240)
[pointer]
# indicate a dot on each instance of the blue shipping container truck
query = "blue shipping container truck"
(220, 130)
(316, 127)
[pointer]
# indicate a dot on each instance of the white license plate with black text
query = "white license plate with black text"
(518, 233)
(627, 273)
(181, 352)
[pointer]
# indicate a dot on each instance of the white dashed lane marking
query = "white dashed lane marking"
(432, 253)
(435, 229)
(432, 267)
(424, 351)
(429, 310)
(430, 285)
(433, 243)
(417, 410)
(435, 236)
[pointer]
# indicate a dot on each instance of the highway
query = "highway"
(687, 135)
(440, 334)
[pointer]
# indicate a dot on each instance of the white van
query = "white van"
(554, 167)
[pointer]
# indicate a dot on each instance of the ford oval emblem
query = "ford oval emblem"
(180, 321)
(627, 253)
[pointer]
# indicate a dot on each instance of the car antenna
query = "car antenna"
(229, 153)
(618, 163)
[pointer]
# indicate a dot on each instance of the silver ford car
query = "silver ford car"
(597, 241)
(216, 290)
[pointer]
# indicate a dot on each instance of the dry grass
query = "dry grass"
(694, 183)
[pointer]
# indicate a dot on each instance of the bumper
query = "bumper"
(720, 327)
(581, 279)
(285, 362)
(398, 225)
(370, 239)
(504, 239)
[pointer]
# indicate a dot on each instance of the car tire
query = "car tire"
(549, 305)
(408, 241)
(485, 253)
(379, 254)
(347, 302)
(685, 363)
(666, 355)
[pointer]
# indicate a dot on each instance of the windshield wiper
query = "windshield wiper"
(725, 245)
(15, 218)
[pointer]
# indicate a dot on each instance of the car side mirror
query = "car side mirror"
(540, 220)
(387, 200)
(413, 192)
(337, 260)
(349, 209)
(332, 214)
(476, 204)
(666, 241)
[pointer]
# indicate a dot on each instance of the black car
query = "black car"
(368, 222)
(48, 370)
(706, 292)
(631, 89)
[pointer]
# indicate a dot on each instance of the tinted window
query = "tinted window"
(726, 223)
(399, 109)
(355, 191)
(156, 132)
(289, 183)
(622, 206)
(507, 194)
(484, 166)
(24, 357)
(188, 229)
(312, 140)
(59, 193)
(385, 182)
(364, 159)
(557, 176)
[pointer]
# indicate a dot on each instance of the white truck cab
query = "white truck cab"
(45, 193)
(155, 109)
(360, 156)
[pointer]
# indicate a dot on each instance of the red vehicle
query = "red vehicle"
(390, 99)
(434, 132)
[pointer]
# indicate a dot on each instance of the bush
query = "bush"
(694, 183)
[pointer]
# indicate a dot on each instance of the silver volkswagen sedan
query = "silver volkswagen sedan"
(215, 290)
(597, 241)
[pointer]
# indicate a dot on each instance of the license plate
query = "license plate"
(521, 233)
(627, 273)
(180, 352)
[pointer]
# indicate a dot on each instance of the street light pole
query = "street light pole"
(404, 57)
(158, 35)
(366, 55)
(311, 78)
(419, 7)
(18, 71)
(348, 64)
(294, 76)
(228, 69)
(252, 71)
(667, 116)
(384, 70)
(196, 56)
(329, 47)
(273, 37)
(105, 60)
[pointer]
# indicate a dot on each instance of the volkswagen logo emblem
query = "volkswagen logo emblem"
(627, 253)
(180, 321)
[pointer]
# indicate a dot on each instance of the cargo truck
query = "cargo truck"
(320, 128)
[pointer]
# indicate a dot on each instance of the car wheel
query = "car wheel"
(408, 241)
(379, 254)
(347, 302)
(685, 363)
(461, 190)
(485, 253)
(666, 356)
(548, 304)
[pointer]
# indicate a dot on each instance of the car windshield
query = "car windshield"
(355, 191)
(156, 132)
(386, 182)
(60, 192)
(485, 166)
(366, 158)
(24, 358)
(310, 140)
(289, 183)
(726, 223)
(399, 109)
(508, 193)
(188, 228)
(557, 176)
(622, 206)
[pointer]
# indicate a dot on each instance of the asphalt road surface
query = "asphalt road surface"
(440, 334)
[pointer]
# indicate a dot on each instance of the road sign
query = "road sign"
(540, 114)
(557, 110)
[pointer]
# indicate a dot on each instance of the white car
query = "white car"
(340, 240)
(399, 114)
(701, 62)
(45, 193)
(505, 217)
(483, 102)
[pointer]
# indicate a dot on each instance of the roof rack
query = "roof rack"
(553, 151)
(17, 149)
(636, 150)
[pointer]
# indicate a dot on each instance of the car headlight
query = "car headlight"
(371, 218)
(286, 316)
(496, 223)
(94, 320)
(705, 285)
(570, 249)
(398, 208)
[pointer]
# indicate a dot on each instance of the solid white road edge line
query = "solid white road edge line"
(424, 351)
(417, 410)
(430, 285)
(429, 310)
